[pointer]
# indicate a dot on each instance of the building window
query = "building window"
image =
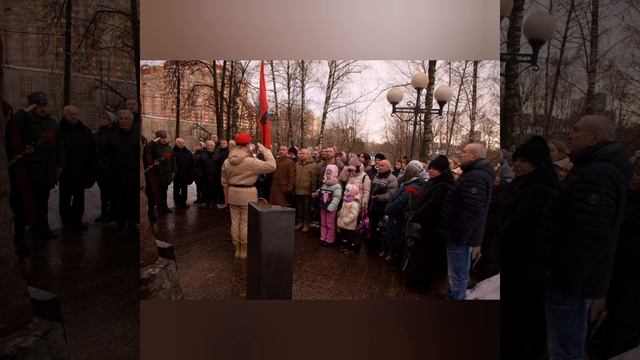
(25, 85)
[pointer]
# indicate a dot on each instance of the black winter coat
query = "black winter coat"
(80, 154)
(464, 212)
(518, 219)
(220, 155)
(185, 165)
(208, 168)
(100, 137)
(578, 231)
(123, 151)
(428, 262)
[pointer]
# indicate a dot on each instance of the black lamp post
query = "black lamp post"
(419, 81)
(538, 28)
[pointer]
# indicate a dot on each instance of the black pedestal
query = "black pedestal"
(270, 252)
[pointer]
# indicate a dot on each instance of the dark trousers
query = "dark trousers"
(209, 192)
(71, 203)
(303, 207)
(180, 192)
(127, 204)
(163, 188)
(41, 226)
(106, 198)
(199, 190)
(18, 215)
(374, 220)
(219, 193)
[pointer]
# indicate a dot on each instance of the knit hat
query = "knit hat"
(293, 150)
(414, 167)
(440, 163)
(243, 139)
(161, 134)
(38, 98)
(353, 161)
(535, 150)
(332, 177)
(351, 192)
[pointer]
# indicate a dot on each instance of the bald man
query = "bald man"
(572, 257)
(78, 174)
(464, 214)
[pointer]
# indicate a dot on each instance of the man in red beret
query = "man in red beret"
(239, 174)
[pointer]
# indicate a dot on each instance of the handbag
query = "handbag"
(363, 229)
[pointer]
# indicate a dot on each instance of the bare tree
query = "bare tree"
(592, 67)
(339, 72)
(511, 106)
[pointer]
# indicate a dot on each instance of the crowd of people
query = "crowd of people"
(44, 153)
(558, 223)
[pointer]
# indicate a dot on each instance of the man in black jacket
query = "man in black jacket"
(78, 174)
(123, 149)
(578, 234)
(185, 171)
(464, 214)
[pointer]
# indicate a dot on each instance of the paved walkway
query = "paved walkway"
(208, 269)
(95, 275)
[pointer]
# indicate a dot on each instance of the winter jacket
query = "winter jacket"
(428, 261)
(43, 134)
(384, 187)
(464, 212)
(284, 179)
(100, 138)
(167, 162)
(518, 217)
(220, 155)
(348, 214)
(80, 154)
(197, 160)
(123, 150)
(207, 168)
(306, 178)
(396, 207)
(579, 228)
(240, 172)
(336, 191)
(185, 165)
(363, 182)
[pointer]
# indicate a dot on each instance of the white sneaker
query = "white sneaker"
(221, 206)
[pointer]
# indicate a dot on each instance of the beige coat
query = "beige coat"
(306, 178)
(242, 168)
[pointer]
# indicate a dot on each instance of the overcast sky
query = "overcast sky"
(373, 82)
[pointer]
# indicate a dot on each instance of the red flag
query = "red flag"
(263, 113)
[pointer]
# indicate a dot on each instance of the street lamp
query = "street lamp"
(419, 81)
(538, 28)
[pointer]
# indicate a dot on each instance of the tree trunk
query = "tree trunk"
(135, 30)
(511, 103)
(220, 102)
(178, 76)
(556, 78)
(327, 99)
(230, 119)
(67, 53)
(455, 107)
(303, 75)
(474, 102)
(427, 129)
(216, 105)
(289, 103)
(593, 59)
